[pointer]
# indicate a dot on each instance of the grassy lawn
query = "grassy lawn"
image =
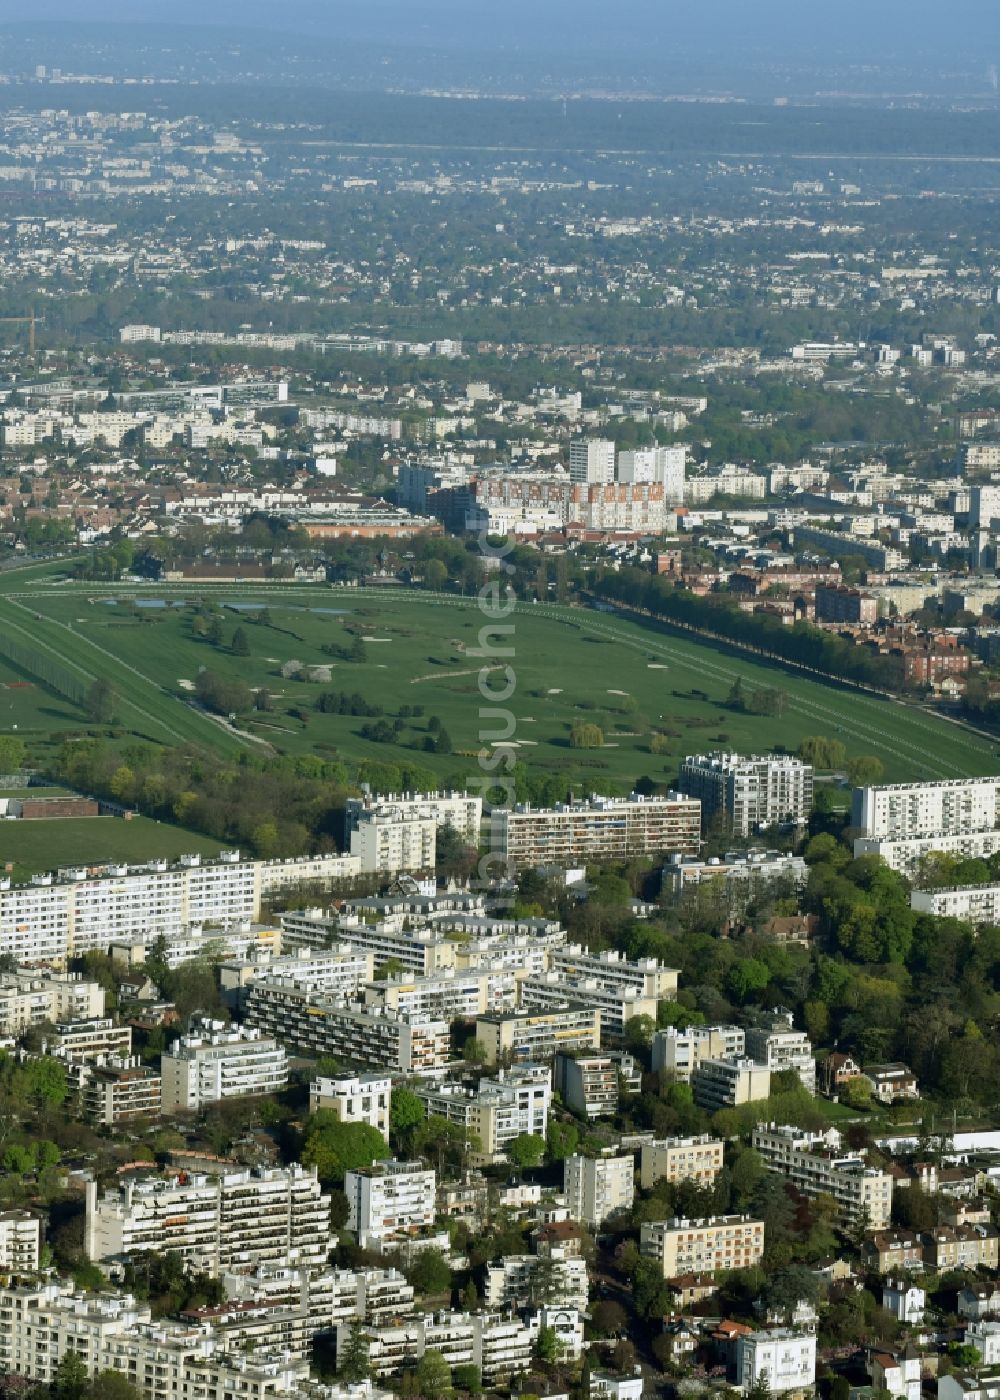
(44, 845)
(571, 665)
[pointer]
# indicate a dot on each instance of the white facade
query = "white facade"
(781, 1359)
(20, 1242)
(389, 1201)
(664, 465)
(460, 810)
(215, 1063)
(358, 1098)
(954, 807)
(679, 1053)
(977, 904)
(592, 463)
(812, 1163)
(749, 791)
(233, 1220)
(780, 1047)
(906, 853)
(55, 917)
(387, 842)
(597, 1187)
(680, 1159)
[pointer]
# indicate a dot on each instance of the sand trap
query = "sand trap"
(656, 666)
(505, 743)
(376, 639)
(617, 692)
(186, 685)
(553, 692)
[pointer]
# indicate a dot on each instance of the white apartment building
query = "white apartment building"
(712, 1245)
(46, 1319)
(954, 807)
(906, 853)
(664, 465)
(462, 811)
(340, 970)
(976, 904)
(600, 828)
(598, 1187)
(387, 841)
(647, 976)
(450, 994)
(497, 1110)
(357, 1098)
(356, 1034)
(32, 999)
(680, 1159)
(862, 1193)
(215, 1063)
(741, 871)
(778, 1358)
(54, 917)
(679, 1053)
(781, 1047)
(591, 1084)
(592, 462)
(231, 1221)
(389, 1201)
(421, 950)
(719, 1084)
(616, 1004)
(500, 1346)
(518, 1280)
(20, 1242)
(749, 791)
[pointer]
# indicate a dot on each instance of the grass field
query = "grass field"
(571, 665)
(43, 845)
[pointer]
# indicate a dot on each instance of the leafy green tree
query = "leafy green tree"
(240, 642)
(526, 1150)
(468, 1378)
(334, 1148)
(354, 1365)
(548, 1347)
(561, 1139)
(865, 770)
(112, 1385)
(69, 1381)
(406, 1113)
(433, 1376)
(430, 1273)
(586, 736)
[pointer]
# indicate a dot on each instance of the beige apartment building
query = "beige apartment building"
(680, 1159)
(708, 1246)
(522, 1036)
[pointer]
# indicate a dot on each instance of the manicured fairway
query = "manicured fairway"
(572, 665)
(46, 845)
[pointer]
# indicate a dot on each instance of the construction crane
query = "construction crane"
(30, 321)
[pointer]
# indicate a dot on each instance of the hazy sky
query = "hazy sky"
(864, 28)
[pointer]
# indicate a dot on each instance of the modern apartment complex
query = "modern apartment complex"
(523, 1036)
(44, 1320)
(389, 1201)
(518, 1280)
(598, 1187)
(779, 1046)
(386, 841)
(679, 1053)
(728, 1083)
(905, 853)
(35, 999)
(497, 1110)
(592, 1084)
(863, 1194)
(20, 1242)
(954, 807)
(356, 1034)
(749, 792)
(355, 1098)
(231, 1221)
(616, 1004)
(599, 828)
(708, 1246)
(215, 1063)
(976, 904)
(54, 917)
(462, 811)
(680, 1159)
